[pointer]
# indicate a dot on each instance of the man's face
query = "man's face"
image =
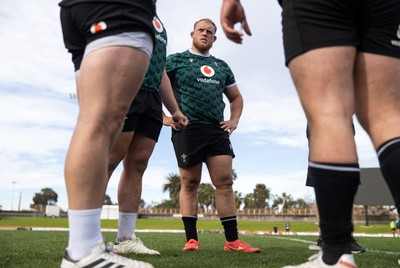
(203, 36)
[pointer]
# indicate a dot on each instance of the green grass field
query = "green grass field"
(45, 248)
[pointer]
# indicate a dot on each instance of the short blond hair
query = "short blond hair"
(206, 20)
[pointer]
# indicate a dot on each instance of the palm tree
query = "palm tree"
(234, 175)
(206, 195)
(301, 203)
(173, 185)
(238, 199)
(283, 202)
(249, 201)
(107, 200)
(261, 195)
(288, 200)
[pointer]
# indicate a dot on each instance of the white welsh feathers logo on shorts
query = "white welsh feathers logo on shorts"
(158, 25)
(398, 32)
(207, 71)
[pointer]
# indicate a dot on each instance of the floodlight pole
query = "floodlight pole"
(12, 197)
(19, 203)
(366, 215)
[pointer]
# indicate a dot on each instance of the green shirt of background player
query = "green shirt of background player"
(154, 75)
(199, 82)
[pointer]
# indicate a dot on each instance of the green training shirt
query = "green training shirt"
(198, 82)
(154, 73)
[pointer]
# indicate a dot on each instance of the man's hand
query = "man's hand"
(229, 126)
(178, 121)
(232, 12)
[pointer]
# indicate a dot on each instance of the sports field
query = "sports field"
(44, 248)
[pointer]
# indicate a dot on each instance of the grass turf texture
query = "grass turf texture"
(45, 248)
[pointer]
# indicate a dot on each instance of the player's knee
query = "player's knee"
(141, 166)
(224, 184)
(190, 184)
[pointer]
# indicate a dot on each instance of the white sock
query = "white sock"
(84, 232)
(126, 225)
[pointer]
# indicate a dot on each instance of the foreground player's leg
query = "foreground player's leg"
(326, 94)
(86, 163)
(129, 195)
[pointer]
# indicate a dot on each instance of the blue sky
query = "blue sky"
(38, 117)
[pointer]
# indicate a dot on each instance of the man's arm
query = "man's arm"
(236, 107)
(168, 98)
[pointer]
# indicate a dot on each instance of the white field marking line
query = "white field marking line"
(381, 251)
(109, 230)
(294, 239)
(310, 242)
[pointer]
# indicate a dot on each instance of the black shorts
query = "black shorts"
(78, 23)
(370, 25)
(310, 180)
(145, 115)
(198, 141)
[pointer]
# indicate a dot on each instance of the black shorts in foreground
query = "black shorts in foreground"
(370, 25)
(198, 141)
(310, 179)
(145, 115)
(83, 23)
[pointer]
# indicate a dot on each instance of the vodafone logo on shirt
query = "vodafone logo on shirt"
(98, 27)
(207, 71)
(158, 25)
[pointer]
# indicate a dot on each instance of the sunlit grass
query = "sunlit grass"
(45, 249)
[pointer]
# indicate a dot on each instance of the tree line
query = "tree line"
(261, 197)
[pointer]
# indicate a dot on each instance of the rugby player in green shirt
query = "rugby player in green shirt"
(199, 81)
